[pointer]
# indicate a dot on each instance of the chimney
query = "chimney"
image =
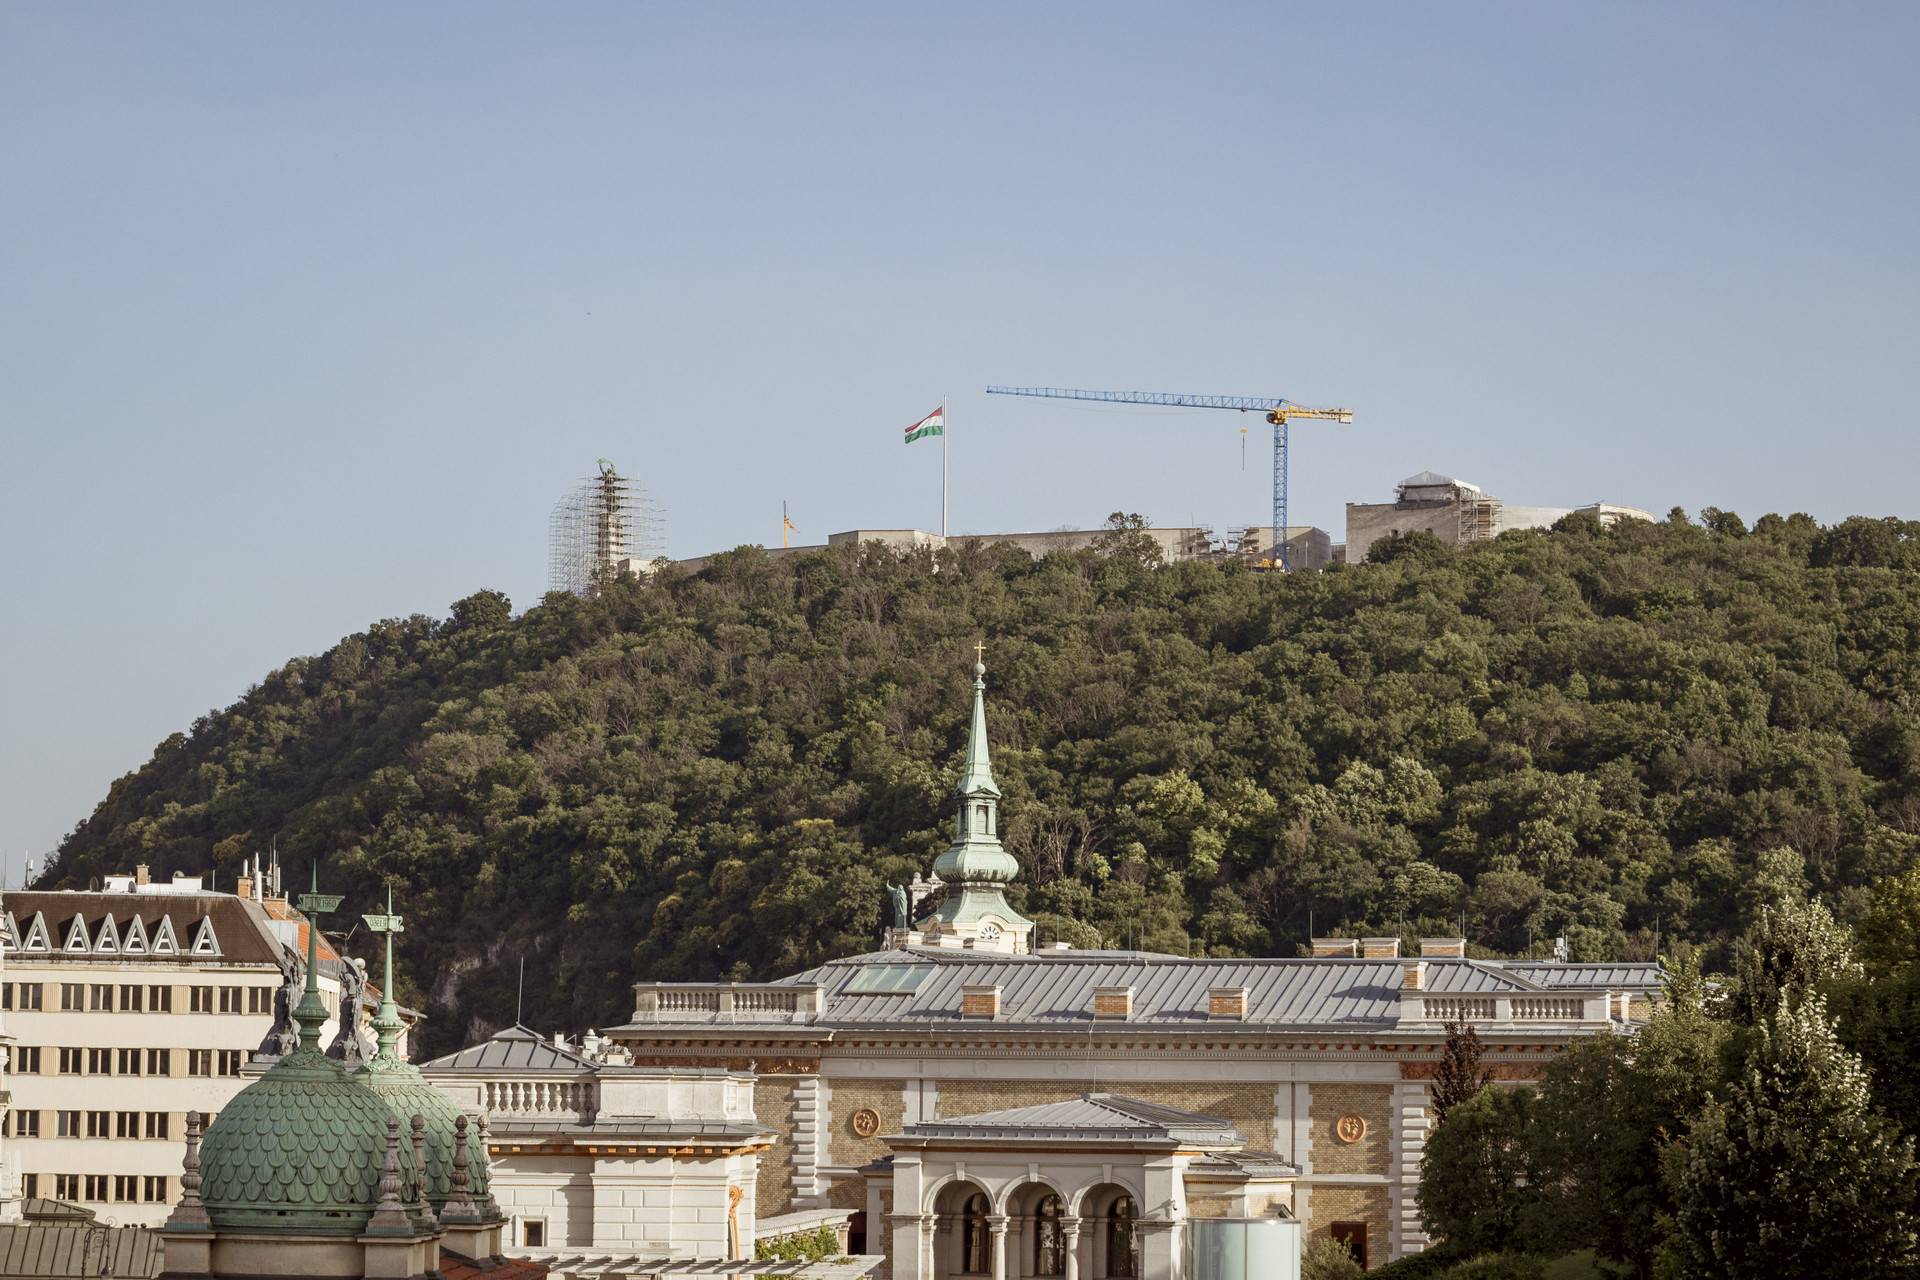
(1347, 948)
(1413, 975)
(1113, 1002)
(244, 887)
(980, 1001)
(1446, 947)
(1380, 948)
(140, 876)
(1227, 1003)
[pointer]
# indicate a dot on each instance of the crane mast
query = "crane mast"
(1278, 412)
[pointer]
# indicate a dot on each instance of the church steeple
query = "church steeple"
(975, 868)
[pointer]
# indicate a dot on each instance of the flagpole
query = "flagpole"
(943, 464)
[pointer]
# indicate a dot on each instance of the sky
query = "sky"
(310, 313)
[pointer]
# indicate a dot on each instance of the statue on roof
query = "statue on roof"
(902, 911)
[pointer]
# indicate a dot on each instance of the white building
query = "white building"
(1457, 513)
(591, 1153)
(127, 1008)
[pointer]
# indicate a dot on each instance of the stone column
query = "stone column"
(997, 1228)
(1405, 1232)
(1070, 1241)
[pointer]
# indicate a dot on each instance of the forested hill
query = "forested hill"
(1580, 731)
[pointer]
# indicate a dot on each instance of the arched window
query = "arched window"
(974, 1257)
(1049, 1243)
(1120, 1256)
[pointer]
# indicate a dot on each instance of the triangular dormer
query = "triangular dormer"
(39, 939)
(135, 941)
(9, 933)
(106, 940)
(77, 943)
(205, 942)
(164, 943)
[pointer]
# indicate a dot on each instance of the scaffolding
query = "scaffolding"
(606, 520)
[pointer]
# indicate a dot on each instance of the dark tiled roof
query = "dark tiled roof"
(241, 931)
(514, 1049)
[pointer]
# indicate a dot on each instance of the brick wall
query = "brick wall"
(1372, 1153)
(1328, 1205)
(851, 1096)
(773, 1104)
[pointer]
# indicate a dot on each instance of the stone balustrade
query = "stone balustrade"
(755, 1002)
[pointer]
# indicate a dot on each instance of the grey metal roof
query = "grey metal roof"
(1252, 1164)
(31, 1249)
(514, 1049)
(1055, 989)
(1090, 1117)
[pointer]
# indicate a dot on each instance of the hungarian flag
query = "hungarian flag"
(934, 424)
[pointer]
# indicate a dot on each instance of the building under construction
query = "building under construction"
(1455, 512)
(606, 525)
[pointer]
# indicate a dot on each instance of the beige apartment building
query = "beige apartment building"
(127, 1008)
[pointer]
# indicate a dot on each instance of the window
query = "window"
(1049, 1244)
(533, 1233)
(155, 1191)
(156, 1124)
(99, 1124)
(20, 1124)
(199, 999)
(70, 1062)
(1354, 1236)
(260, 999)
(73, 996)
(126, 1124)
(30, 1185)
(230, 999)
(31, 995)
(99, 1062)
(973, 1238)
(129, 1060)
(159, 1062)
(130, 994)
(1121, 1260)
(26, 1060)
(67, 1124)
(230, 1061)
(199, 1062)
(102, 1001)
(66, 1186)
(160, 999)
(126, 1187)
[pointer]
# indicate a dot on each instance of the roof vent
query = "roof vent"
(1380, 948)
(1456, 947)
(1113, 1002)
(1228, 1003)
(1343, 947)
(980, 1002)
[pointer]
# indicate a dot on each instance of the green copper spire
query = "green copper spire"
(311, 1013)
(386, 1022)
(977, 775)
(975, 866)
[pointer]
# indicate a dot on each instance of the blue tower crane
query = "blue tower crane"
(1278, 411)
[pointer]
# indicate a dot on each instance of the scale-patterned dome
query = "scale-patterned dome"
(407, 1094)
(299, 1149)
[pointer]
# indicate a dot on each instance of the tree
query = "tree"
(1458, 1077)
(1794, 1176)
(1789, 951)
(1476, 1183)
(1607, 1108)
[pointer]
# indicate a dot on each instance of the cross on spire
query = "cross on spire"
(980, 651)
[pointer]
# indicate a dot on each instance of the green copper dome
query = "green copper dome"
(299, 1150)
(407, 1094)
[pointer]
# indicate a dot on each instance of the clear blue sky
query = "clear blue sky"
(308, 313)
